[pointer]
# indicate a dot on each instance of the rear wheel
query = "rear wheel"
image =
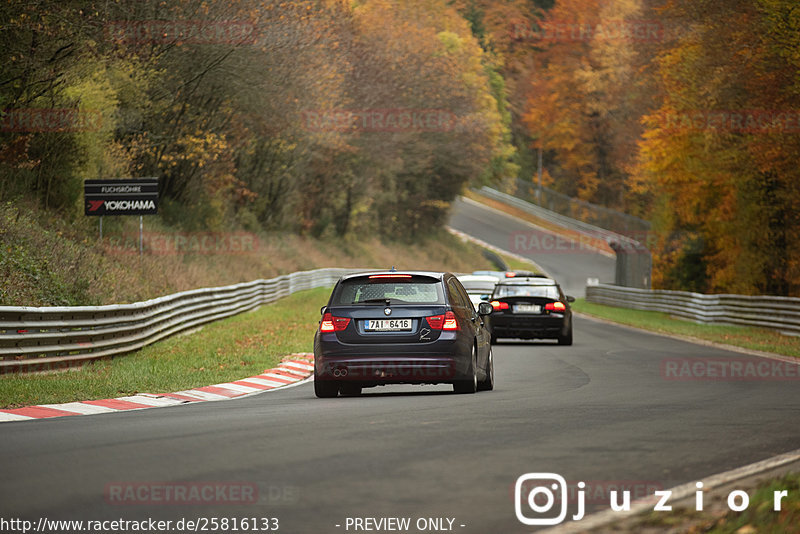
(566, 339)
(469, 385)
(325, 389)
(351, 389)
(487, 384)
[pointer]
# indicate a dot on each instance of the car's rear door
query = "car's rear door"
(468, 320)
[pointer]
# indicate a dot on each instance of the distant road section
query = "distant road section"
(568, 261)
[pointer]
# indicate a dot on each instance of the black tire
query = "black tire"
(487, 384)
(469, 385)
(325, 389)
(351, 389)
(567, 338)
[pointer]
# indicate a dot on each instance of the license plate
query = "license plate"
(527, 308)
(387, 325)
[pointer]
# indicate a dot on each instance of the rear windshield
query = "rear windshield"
(414, 290)
(478, 287)
(550, 292)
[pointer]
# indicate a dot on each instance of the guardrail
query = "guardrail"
(51, 338)
(778, 313)
(555, 218)
(575, 208)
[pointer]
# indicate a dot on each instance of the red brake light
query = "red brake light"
(390, 276)
(555, 306)
(511, 274)
(450, 322)
(333, 324)
(497, 305)
(443, 322)
(327, 323)
(436, 321)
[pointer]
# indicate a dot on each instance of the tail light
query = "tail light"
(497, 305)
(555, 306)
(443, 322)
(333, 324)
(450, 322)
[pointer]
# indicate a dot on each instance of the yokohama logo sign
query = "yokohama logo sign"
(121, 197)
(122, 205)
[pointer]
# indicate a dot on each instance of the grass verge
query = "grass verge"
(760, 339)
(227, 350)
(518, 265)
(49, 261)
(760, 517)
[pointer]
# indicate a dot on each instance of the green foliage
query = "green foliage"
(760, 339)
(222, 117)
(42, 260)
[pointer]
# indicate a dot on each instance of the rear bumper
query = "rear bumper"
(530, 327)
(440, 361)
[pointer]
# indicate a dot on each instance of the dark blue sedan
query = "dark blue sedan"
(401, 328)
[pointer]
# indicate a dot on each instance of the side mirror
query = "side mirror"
(486, 297)
(570, 298)
(322, 310)
(484, 308)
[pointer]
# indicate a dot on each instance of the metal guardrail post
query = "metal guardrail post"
(762, 311)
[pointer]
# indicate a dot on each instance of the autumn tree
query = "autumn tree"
(718, 152)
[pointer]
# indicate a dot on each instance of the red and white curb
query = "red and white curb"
(294, 369)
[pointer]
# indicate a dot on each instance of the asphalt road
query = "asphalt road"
(570, 262)
(602, 411)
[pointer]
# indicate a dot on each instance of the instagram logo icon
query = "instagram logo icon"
(541, 492)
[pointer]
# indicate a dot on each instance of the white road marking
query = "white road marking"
(13, 417)
(262, 382)
(201, 395)
(280, 377)
(236, 388)
(79, 407)
(300, 366)
(148, 400)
